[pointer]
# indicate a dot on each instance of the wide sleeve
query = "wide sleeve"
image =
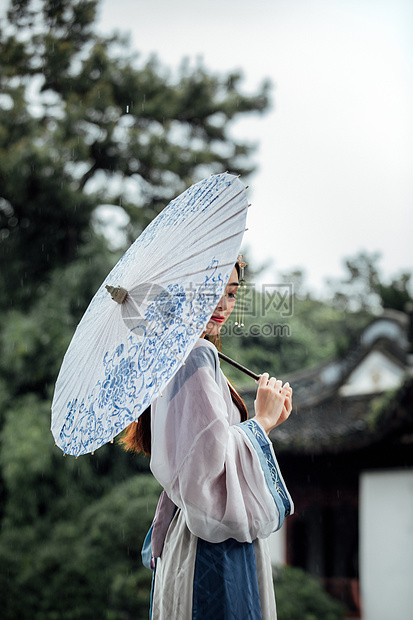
(224, 477)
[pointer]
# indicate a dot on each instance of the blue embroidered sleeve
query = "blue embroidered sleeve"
(276, 485)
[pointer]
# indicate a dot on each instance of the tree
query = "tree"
(84, 568)
(363, 288)
(300, 597)
(82, 123)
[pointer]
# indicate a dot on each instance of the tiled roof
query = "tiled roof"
(325, 421)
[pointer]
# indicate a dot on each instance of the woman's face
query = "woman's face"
(225, 306)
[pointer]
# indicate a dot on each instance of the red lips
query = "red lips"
(218, 319)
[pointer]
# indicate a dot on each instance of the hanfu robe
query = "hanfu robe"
(223, 496)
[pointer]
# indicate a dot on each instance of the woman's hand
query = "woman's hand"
(273, 403)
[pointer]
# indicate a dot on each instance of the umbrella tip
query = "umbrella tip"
(117, 293)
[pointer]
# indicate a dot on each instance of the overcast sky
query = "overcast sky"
(335, 157)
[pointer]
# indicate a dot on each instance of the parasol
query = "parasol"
(147, 314)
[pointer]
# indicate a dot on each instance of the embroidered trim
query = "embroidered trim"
(276, 485)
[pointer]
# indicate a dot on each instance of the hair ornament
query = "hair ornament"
(240, 307)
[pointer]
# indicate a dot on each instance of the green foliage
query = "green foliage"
(398, 294)
(300, 597)
(363, 288)
(378, 407)
(40, 485)
(85, 567)
(82, 123)
(24, 463)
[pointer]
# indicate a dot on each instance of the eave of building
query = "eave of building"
(339, 406)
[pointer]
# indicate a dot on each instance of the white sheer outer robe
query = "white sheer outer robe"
(204, 461)
(223, 477)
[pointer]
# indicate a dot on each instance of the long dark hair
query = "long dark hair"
(137, 436)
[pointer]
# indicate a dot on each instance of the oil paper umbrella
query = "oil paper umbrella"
(148, 313)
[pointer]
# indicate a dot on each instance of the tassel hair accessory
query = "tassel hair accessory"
(240, 307)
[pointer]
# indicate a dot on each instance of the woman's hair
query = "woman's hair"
(137, 436)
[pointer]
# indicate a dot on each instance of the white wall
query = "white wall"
(386, 545)
(375, 374)
(277, 546)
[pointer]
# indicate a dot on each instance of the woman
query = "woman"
(223, 492)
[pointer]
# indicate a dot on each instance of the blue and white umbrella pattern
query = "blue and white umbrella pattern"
(147, 314)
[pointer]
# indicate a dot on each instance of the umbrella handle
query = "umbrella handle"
(239, 366)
